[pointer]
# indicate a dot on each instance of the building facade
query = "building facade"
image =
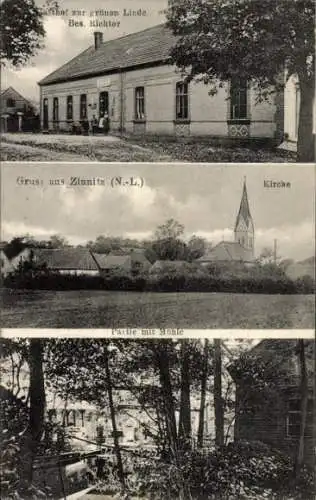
(132, 81)
(17, 113)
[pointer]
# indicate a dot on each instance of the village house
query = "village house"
(132, 263)
(242, 248)
(17, 113)
(132, 81)
(272, 416)
(68, 260)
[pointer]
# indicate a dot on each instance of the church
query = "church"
(131, 81)
(242, 248)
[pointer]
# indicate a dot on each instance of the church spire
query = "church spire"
(244, 210)
(244, 228)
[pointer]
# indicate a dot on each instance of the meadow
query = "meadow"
(109, 309)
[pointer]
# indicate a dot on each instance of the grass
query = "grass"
(45, 147)
(103, 309)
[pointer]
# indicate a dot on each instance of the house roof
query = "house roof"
(148, 46)
(227, 251)
(112, 261)
(66, 258)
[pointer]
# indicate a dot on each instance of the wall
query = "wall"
(207, 115)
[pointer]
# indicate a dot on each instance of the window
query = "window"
(83, 106)
(139, 103)
(103, 103)
(69, 107)
(182, 101)
(238, 99)
(55, 109)
(293, 421)
(10, 102)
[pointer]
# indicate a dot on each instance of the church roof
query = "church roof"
(150, 46)
(227, 251)
(244, 210)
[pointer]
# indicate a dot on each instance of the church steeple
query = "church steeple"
(244, 228)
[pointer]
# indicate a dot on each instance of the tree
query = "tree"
(262, 42)
(196, 247)
(303, 405)
(218, 401)
(57, 241)
(22, 30)
(167, 244)
(200, 436)
(170, 229)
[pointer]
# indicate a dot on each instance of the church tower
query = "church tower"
(244, 228)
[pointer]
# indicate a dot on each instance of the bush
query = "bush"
(241, 470)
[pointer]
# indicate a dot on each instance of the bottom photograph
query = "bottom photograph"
(102, 419)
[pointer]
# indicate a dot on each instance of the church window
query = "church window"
(182, 101)
(242, 241)
(69, 107)
(250, 242)
(238, 99)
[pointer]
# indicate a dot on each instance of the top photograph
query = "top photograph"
(158, 81)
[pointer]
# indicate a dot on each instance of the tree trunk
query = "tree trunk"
(113, 420)
(218, 402)
(184, 433)
(306, 138)
(304, 403)
(200, 436)
(165, 382)
(32, 437)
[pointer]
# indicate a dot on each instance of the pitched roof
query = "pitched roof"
(244, 210)
(148, 46)
(227, 251)
(66, 258)
(111, 261)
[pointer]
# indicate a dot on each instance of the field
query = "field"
(103, 309)
(53, 147)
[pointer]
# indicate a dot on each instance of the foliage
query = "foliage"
(22, 30)
(249, 40)
(240, 470)
(181, 281)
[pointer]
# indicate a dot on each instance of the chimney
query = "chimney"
(98, 39)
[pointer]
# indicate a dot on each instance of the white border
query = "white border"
(155, 333)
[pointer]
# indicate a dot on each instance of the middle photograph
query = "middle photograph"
(134, 246)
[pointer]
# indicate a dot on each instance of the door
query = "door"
(103, 103)
(45, 114)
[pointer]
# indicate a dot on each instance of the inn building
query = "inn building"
(131, 78)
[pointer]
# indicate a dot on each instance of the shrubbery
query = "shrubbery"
(172, 282)
(240, 470)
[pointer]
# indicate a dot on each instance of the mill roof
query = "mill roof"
(150, 46)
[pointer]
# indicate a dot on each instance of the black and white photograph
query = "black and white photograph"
(103, 419)
(158, 246)
(152, 80)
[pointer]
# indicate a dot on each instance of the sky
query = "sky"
(63, 42)
(204, 198)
